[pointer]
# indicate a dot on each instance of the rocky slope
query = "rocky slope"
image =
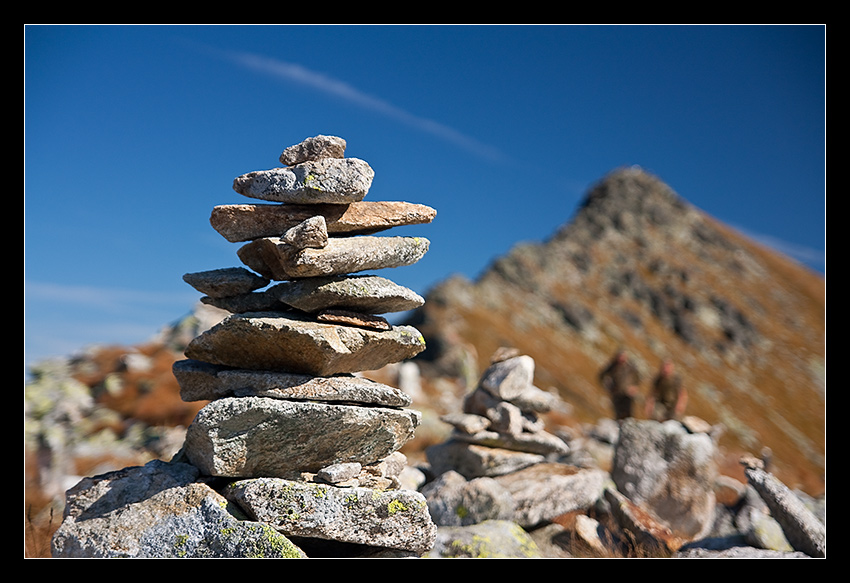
(639, 268)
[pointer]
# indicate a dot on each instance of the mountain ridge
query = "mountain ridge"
(639, 268)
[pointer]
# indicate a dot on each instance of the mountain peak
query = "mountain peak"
(639, 267)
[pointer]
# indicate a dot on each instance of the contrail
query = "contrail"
(298, 74)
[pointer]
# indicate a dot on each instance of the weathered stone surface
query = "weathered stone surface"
(328, 180)
(246, 222)
(801, 527)
(271, 341)
(258, 301)
(200, 381)
(540, 442)
(311, 233)
(454, 501)
(259, 436)
(368, 294)
(508, 379)
(396, 519)
(158, 511)
(348, 318)
(649, 537)
(273, 258)
(474, 461)
(314, 148)
(230, 281)
(491, 539)
(668, 471)
(544, 491)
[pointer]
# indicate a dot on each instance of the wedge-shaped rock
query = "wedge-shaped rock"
(272, 341)
(226, 282)
(254, 437)
(394, 519)
(329, 180)
(276, 260)
(246, 222)
(200, 381)
(368, 294)
(314, 148)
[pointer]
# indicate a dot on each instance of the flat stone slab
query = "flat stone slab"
(283, 342)
(201, 381)
(394, 519)
(328, 180)
(246, 222)
(368, 294)
(229, 281)
(253, 437)
(272, 258)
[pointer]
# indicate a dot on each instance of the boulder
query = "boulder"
(669, 472)
(159, 510)
(264, 437)
(395, 519)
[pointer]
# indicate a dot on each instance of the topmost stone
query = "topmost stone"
(313, 149)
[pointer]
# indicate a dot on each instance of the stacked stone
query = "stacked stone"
(313, 446)
(499, 429)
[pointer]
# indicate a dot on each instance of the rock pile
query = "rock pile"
(500, 463)
(302, 444)
(285, 405)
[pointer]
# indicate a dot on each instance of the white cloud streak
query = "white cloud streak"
(322, 83)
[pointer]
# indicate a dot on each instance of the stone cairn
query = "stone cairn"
(499, 461)
(311, 447)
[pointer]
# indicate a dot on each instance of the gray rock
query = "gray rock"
(474, 461)
(803, 530)
(246, 222)
(491, 539)
(395, 519)
(311, 233)
(454, 501)
(258, 436)
(273, 258)
(230, 281)
(368, 294)
(200, 381)
(544, 491)
(338, 473)
(539, 442)
(328, 180)
(508, 379)
(314, 148)
(159, 511)
(271, 341)
(258, 301)
(670, 472)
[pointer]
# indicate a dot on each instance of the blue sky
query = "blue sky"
(133, 133)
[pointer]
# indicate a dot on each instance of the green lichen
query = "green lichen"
(396, 506)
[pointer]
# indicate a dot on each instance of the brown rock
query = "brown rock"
(313, 148)
(347, 318)
(276, 260)
(246, 222)
(274, 341)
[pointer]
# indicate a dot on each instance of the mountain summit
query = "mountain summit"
(639, 268)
